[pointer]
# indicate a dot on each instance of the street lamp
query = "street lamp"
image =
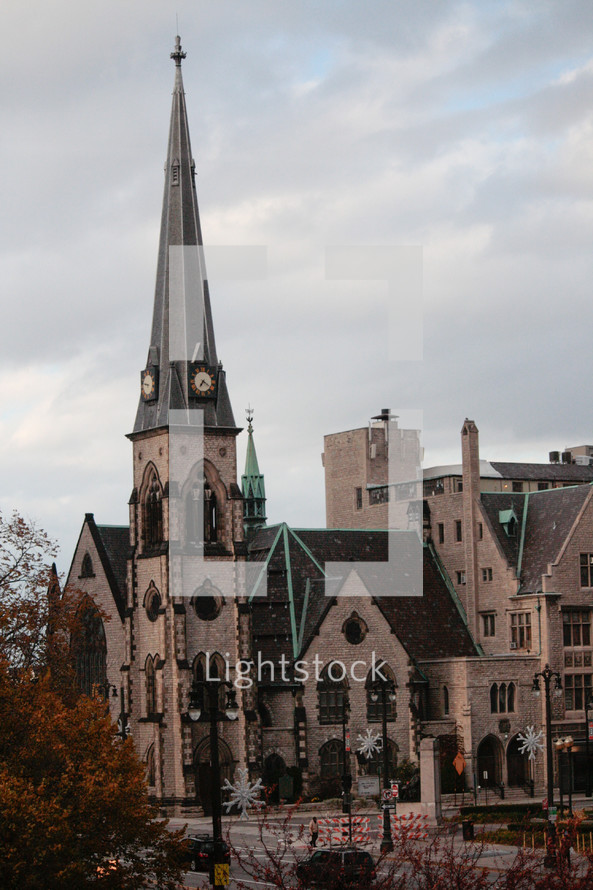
(588, 738)
(346, 774)
(213, 716)
(123, 727)
(547, 674)
(386, 691)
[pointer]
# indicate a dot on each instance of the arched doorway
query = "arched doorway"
(203, 770)
(517, 764)
(489, 762)
(274, 768)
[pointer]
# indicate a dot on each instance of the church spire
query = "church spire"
(252, 485)
(182, 336)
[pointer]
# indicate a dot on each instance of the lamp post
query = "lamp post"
(346, 775)
(588, 738)
(386, 691)
(213, 716)
(547, 674)
(123, 727)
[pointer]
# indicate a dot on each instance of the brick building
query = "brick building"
(515, 542)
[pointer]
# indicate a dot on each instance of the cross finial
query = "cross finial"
(178, 55)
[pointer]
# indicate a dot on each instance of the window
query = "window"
(378, 496)
(354, 629)
(331, 692)
(458, 485)
(374, 766)
(445, 701)
(150, 687)
(359, 498)
(375, 708)
(502, 698)
(86, 569)
(153, 512)
(577, 688)
(517, 486)
(521, 630)
(577, 628)
(331, 757)
(150, 767)
(489, 625)
(441, 532)
(480, 531)
(205, 671)
(433, 486)
(543, 486)
(586, 569)
(458, 531)
(461, 577)
(487, 574)
(152, 603)
(89, 648)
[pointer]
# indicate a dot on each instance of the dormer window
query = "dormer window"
(508, 520)
(175, 172)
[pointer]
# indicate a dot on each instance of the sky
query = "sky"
(462, 128)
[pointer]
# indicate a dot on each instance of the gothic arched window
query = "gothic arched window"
(151, 705)
(86, 568)
(207, 670)
(153, 512)
(445, 701)
(331, 691)
(331, 758)
(201, 513)
(375, 708)
(89, 648)
(494, 698)
(150, 767)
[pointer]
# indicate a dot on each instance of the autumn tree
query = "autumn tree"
(73, 797)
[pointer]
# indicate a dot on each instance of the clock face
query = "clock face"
(202, 381)
(148, 387)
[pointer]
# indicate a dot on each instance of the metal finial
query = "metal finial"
(249, 416)
(178, 55)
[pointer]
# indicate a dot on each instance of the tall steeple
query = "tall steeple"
(252, 485)
(182, 330)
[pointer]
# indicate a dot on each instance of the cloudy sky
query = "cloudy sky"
(464, 128)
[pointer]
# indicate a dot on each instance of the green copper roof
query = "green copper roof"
(252, 484)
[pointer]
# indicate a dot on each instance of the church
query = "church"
(198, 589)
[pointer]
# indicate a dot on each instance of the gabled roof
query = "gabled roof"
(496, 469)
(112, 543)
(287, 619)
(183, 319)
(550, 517)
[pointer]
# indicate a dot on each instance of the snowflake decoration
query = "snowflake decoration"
(370, 743)
(244, 794)
(532, 742)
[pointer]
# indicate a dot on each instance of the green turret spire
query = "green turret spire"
(252, 484)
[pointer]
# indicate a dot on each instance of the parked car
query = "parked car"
(336, 867)
(200, 852)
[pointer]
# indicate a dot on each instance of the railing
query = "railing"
(498, 788)
(529, 788)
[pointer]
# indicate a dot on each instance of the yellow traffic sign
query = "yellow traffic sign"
(221, 875)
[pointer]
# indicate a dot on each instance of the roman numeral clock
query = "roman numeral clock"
(202, 381)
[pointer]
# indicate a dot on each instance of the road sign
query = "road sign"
(221, 875)
(387, 794)
(347, 740)
(552, 814)
(391, 805)
(395, 790)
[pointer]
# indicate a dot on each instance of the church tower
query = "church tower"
(186, 617)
